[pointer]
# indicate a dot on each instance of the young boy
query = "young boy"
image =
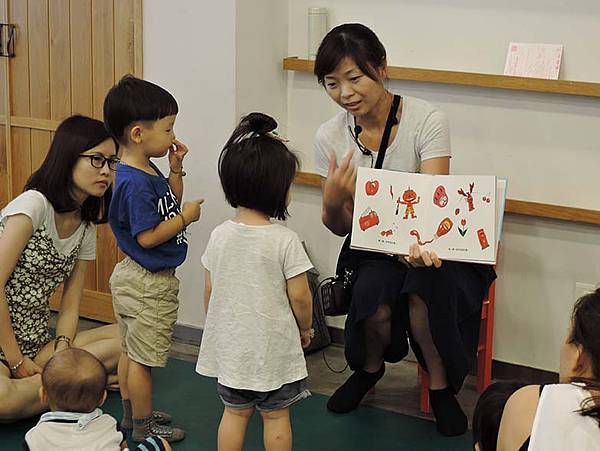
(149, 228)
(73, 383)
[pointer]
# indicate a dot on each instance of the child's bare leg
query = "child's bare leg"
(277, 430)
(122, 371)
(232, 428)
(139, 384)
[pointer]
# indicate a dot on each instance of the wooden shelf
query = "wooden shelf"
(576, 88)
(518, 207)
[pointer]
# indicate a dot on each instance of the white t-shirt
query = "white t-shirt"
(557, 425)
(35, 205)
(423, 134)
(251, 339)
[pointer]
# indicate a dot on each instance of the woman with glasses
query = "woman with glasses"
(435, 304)
(47, 236)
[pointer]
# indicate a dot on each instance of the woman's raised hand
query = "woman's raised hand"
(417, 257)
(341, 181)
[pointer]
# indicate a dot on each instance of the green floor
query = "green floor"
(195, 406)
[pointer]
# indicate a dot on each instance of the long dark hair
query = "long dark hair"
(585, 332)
(257, 169)
(54, 178)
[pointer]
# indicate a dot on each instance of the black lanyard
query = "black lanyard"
(385, 138)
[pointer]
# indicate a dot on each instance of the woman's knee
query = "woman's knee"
(108, 332)
(382, 315)
(416, 306)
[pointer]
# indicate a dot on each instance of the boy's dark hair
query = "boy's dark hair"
(132, 100)
(488, 413)
(257, 169)
(54, 178)
(74, 381)
(354, 41)
(585, 332)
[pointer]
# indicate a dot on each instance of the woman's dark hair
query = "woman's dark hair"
(257, 169)
(585, 332)
(354, 41)
(133, 99)
(54, 178)
(488, 413)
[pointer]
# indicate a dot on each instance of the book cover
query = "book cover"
(457, 216)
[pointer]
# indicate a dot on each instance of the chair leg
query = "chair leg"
(424, 383)
(484, 370)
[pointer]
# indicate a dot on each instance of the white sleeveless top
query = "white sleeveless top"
(558, 426)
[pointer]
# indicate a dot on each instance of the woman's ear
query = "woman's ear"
(382, 70)
(583, 363)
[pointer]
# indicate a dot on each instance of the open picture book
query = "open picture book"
(457, 216)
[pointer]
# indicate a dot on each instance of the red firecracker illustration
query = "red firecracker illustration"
(444, 227)
(409, 198)
(368, 219)
(468, 195)
(482, 239)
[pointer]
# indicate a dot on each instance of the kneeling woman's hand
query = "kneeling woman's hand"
(417, 257)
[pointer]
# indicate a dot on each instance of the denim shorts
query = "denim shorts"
(279, 399)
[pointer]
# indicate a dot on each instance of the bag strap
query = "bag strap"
(391, 119)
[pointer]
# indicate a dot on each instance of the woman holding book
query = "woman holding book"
(437, 305)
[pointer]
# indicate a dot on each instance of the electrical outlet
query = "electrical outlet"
(583, 288)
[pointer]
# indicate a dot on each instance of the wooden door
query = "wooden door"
(68, 53)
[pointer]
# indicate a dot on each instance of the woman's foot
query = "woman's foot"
(348, 396)
(449, 417)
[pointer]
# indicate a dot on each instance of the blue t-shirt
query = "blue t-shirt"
(141, 201)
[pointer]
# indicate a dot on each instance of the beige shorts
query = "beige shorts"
(145, 305)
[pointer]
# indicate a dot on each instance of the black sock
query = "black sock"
(450, 418)
(348, 396)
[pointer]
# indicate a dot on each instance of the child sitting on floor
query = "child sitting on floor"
(73, 385)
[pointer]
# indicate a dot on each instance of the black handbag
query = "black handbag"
(336, 292)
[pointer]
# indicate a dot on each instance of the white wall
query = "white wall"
(261, 44)
(189, 48)
(545, 143)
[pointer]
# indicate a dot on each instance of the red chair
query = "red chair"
(484, 352)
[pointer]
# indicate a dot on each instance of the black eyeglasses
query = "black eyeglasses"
(364, 150)
(98, 161)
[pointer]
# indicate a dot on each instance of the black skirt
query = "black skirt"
(453, 293)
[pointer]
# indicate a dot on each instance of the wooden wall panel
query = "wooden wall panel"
(4, 157)
(60, 59)
(19, 97)
(4, 195)
(103, 69)
(68, 55)
(81, 57)
(38, 77)
(124, 33)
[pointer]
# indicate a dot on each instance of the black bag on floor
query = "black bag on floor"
(322, 338)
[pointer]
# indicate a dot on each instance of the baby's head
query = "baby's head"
(73, 380)
(256, 168)
(140, 113)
